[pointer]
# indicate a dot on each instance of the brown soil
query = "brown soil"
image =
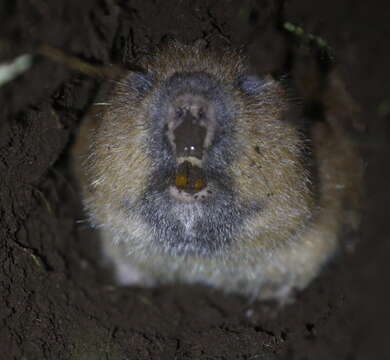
(55, 303)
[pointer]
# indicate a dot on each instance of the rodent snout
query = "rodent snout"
(191, 123)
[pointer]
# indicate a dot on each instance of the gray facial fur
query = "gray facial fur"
(203, 227)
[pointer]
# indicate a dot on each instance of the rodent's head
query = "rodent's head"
(194, 155)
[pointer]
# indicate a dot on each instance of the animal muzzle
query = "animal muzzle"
(189, 135)
(189, 141)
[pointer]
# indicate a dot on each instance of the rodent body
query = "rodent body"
(193, 173)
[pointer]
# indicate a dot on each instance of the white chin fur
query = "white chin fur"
(184, 196)
(127, 274)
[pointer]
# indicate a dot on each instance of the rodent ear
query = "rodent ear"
(141, 81)
(252, 84)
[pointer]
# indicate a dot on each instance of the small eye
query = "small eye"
(179, 112)
(201, 113)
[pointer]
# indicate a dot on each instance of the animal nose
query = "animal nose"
(189, 178)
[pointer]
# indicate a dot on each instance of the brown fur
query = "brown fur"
(277, 249)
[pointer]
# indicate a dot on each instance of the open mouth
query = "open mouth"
(190, 183)
(190, 130)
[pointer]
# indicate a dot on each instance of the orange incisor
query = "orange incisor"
(199, 184)
(181, 180)
(189, 177)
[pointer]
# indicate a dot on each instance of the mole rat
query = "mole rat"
(194, 171)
